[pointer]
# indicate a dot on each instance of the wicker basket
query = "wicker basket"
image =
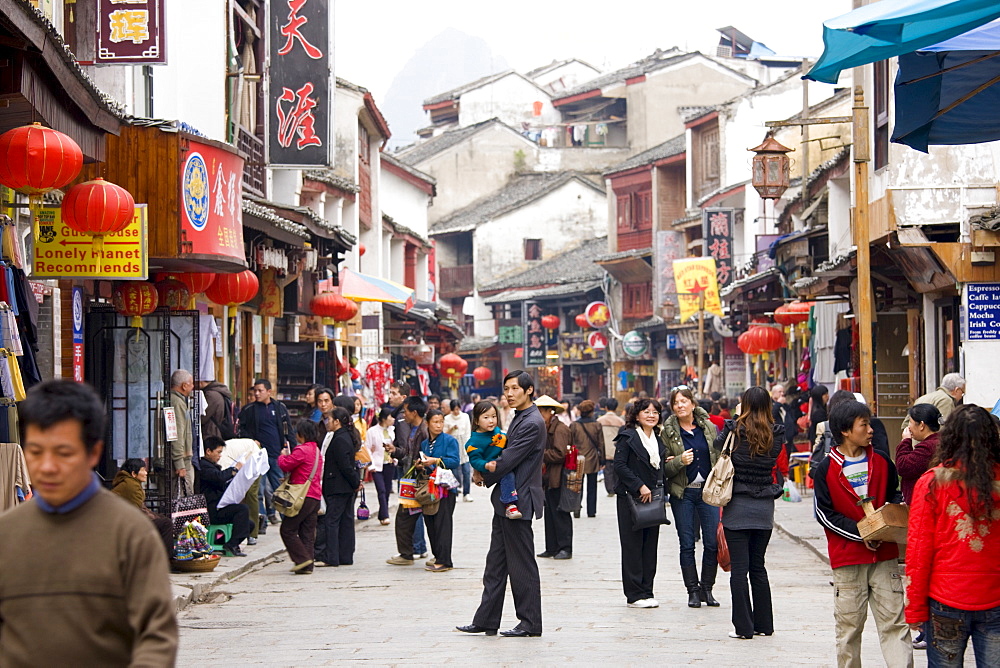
(887, 523)
(203, 565)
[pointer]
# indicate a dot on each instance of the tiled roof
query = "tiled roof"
(333, 228)
(621, 255)
(267, 213)
(669, 148)
(464, 88)
(539, 71)
(566, 289)
(521, 190)
(420, 152)
(572, 266)
(329, 177)
(657, 60)
(408, 168)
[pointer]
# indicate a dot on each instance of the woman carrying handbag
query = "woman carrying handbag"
(304, 466)
(639, 456)
(748, 518)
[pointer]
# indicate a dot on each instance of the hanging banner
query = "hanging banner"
(718, 233)
(211, 201)
(271, 296)
(694, 275)
(130, 32)
(300, 114)
(62, 252)
(669, 247)
(534, 335)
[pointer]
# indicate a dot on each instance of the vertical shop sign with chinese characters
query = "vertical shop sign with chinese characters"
(535, 338)
(300, 113)
(718, 235)
(130, 32)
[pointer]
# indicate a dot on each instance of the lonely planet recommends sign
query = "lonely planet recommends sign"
(635, 344)
(61, 252)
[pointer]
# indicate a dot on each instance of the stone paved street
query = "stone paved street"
(373, 613)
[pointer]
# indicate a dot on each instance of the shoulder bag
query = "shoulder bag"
(425, 493)
(288, 499)
(718, 487)
(648, 515)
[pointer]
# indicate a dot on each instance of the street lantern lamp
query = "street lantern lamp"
(770, 168)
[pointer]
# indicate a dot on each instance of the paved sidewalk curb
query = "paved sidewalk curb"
(801, 541)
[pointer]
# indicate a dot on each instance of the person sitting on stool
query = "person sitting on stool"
(214, 481)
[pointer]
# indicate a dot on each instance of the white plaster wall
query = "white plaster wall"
(554, 159)
(838, 225)
(404, 202)
(191, 87)
(476, 167)
(562, 219)
(511, 99)
(347, 104)
(569, 75)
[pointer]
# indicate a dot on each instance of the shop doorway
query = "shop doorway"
(892, 372)
(130, 369)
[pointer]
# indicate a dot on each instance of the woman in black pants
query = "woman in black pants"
(639, 456)
(748, 518)
(588, 436)
(341, 482)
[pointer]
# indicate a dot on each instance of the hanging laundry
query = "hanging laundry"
(579, 133)
(601, 129)
(13, 476)
(378, 375)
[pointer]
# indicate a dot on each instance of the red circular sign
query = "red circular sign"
(597, 341)
(598, 315)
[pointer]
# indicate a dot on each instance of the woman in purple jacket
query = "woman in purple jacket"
(918, 447)
(298, 532)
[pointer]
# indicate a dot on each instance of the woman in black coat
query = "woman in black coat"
(341, 481)
(639, 456)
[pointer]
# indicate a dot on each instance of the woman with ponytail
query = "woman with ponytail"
(748, 518)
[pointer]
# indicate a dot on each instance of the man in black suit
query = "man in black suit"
(512, 542)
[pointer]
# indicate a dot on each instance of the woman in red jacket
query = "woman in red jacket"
(954, 537)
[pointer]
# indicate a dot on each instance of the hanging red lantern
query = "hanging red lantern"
(783, 316)
(581, 321)
(134, 299)
(768, 339)
(233, 289)
(482, 374)
(334, 306)
(35, 159)
(173, 294)
(799, 311)
(361, 249)
(97, 208)
(747, 343)
(196, 283)
(550, 321)
(452, 367)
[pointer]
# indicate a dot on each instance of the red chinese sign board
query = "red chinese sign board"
(718, 233)
(131, 31)
(211, 201)
(300, 114)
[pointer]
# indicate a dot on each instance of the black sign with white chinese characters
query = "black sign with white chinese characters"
(535, 336)
(718, 233)
(300, 109)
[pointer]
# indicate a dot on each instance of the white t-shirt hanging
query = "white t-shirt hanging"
(208, 333)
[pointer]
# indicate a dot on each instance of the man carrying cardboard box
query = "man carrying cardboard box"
(865, 573)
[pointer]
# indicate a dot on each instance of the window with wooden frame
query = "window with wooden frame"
(364, 144)
(709, 156)
(532, 249)
(637, 300)
(643, 211)
(881, 114)
(624, 209)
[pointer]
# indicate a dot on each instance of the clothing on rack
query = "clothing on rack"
(13, 476)
(824, 330)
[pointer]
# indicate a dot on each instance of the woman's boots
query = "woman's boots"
(709, 568)
(690, 575)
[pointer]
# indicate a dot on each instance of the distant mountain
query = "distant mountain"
(447, 61)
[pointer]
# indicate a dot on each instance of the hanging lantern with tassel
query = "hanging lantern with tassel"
(231, 290)
(482, 374)
(97, 208)
(453, 368)
(173, 294)
(134, 299)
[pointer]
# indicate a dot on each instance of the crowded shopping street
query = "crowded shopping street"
(397, 333)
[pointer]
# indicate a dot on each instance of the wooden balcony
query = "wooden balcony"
(254, 172)
(456, 282)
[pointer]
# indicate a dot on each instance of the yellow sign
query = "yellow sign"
(61, 252)
(693, 276)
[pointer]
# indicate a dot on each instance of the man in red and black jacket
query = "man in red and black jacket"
(866, 573)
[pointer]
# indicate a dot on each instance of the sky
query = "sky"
(375, 38)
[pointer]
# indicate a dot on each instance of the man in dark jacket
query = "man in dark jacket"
(214, 481)
(266, 421)
(558, 523)
(409, 528)
(511, 554)
(218, 419)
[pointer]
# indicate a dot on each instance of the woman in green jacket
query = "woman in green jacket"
(689, 435)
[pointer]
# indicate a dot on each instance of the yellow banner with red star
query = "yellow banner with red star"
(693, 276)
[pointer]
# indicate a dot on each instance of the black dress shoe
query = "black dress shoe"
(234, 551)
(546, 554)
(518, 632)
(472, 628)
(563, 554)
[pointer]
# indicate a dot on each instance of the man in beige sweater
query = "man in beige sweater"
(83, 575)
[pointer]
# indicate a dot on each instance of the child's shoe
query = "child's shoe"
(513, 513)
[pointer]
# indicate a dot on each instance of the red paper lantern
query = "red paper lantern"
(97, 208)
(134, 299)
(768, 339)
(581, 321)
(196, 283)
(233, 289)
(799, 311)
(550, 321)
(783, 316)
(333, 305)
(452, 367)
(173, 294)
(35, 159)
(747, 343)
(361, 249)
(482, 374)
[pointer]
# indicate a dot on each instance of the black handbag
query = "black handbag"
(647, 515)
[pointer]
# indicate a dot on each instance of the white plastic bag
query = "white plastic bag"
(254, 467)
(791, 493)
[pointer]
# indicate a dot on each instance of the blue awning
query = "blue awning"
(893, 27)
(948, 93)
